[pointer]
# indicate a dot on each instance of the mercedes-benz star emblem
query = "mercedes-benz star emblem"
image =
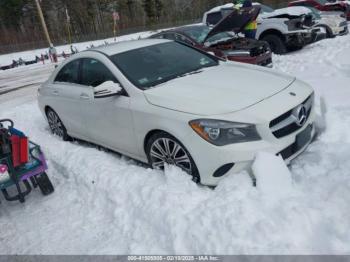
(300, 115)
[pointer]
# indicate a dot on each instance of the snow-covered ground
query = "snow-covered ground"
(107, 204)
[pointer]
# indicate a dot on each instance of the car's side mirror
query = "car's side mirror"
(107, 89)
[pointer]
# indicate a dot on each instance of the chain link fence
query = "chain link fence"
(17, 47)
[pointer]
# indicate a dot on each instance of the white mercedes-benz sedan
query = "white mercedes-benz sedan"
(163, 102)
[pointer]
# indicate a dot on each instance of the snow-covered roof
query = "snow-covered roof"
(293, 11)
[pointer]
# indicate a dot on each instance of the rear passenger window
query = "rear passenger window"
(69, 73)
(94, 73)
(214, 18)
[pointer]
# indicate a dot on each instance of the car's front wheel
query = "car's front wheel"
(56, 125)
(163, 149)
(276, 44)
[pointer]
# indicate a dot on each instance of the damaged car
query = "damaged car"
(283, 29)
(298, 16)
(223, 40)
(325, 6)
(331, 23)
(334, 23)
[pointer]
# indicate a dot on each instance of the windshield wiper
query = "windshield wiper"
(167, 79)
(191, 73)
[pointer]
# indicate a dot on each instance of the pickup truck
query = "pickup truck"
(284, 29)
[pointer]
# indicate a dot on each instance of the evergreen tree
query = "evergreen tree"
(11, 12)
(149, 8)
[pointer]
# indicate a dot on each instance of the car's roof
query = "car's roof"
(121, 47)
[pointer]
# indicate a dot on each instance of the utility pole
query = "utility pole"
(42, 19)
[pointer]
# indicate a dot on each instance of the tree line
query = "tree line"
(91, 19)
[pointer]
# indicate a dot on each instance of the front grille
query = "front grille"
(344, 23)
(301, 141)
(343, 31)
(286, 124)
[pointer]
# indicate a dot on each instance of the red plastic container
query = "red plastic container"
(20, 150)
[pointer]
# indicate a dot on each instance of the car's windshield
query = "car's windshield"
(199, 34)
(266, 9)
(149, 66)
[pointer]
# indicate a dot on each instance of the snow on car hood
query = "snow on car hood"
(222, 89)
(289, 11)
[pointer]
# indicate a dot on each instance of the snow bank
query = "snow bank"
(274, 179)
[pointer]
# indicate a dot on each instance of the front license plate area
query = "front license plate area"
(303, 138)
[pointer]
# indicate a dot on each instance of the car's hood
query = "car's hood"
(332, 20)
(287, 12)
(226, 88)
(332, 13)
(235, 21)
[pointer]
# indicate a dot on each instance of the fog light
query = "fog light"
(221, 171)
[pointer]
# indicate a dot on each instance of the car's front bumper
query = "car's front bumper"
(209, 158)
(299, 39)
(264, 59)
(343, 30)
(243, 155)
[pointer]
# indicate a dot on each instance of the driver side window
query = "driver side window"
(94, 73)
(69, 73)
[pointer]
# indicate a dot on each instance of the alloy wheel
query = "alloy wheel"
(55, 124)
(167, 151)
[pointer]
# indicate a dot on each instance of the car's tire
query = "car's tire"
(162, 148)
(276, 43)
(56, 125)
(329, 32)
(294, 48)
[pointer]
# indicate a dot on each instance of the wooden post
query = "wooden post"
(42, 19)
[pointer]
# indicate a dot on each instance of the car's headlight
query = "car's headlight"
(221, 133)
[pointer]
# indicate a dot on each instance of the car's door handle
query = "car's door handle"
(55, 93)
(84, 96)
